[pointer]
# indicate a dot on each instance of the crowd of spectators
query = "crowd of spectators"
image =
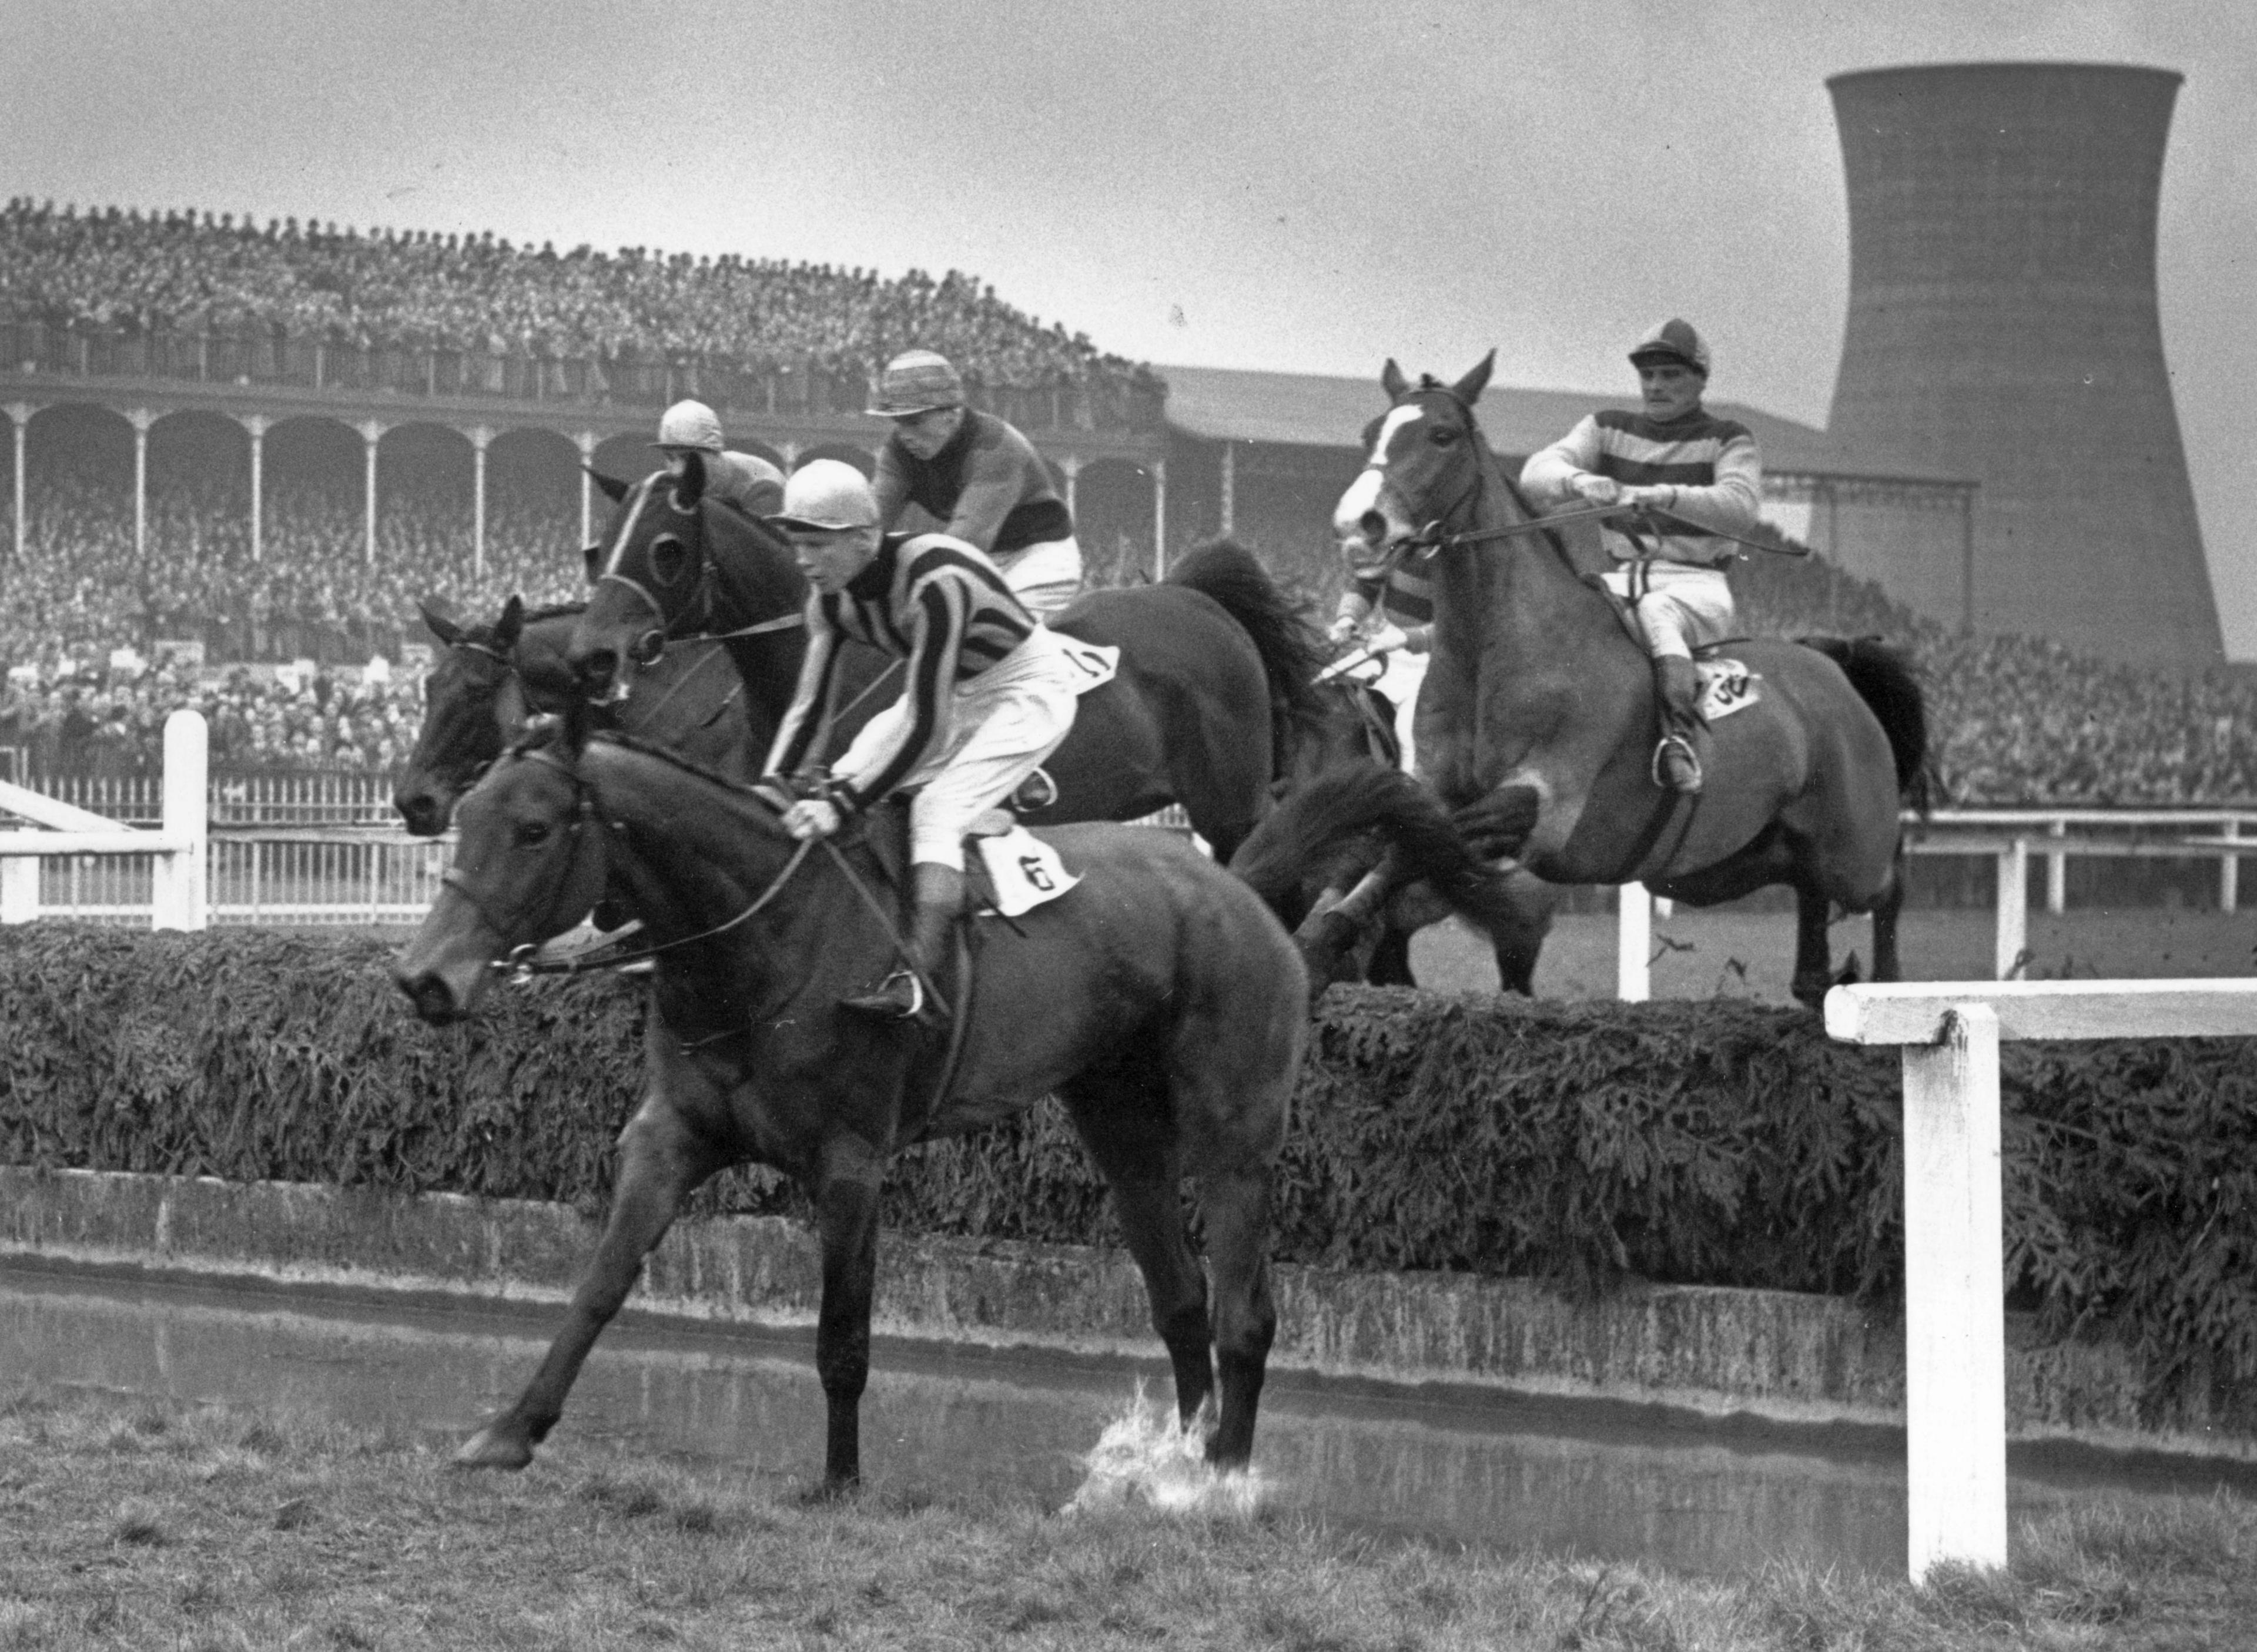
(2019, 720)
(191, 272)
(108, 720)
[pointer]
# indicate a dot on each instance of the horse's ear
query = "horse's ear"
(511, 621)
(441, 627)
(690, 486)
(614, 490)
(1469, 388)
(1392, 381)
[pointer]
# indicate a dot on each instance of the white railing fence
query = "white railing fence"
(176, 853)
(1954, 1240)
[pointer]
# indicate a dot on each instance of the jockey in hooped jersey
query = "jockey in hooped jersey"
(748, 482)
(976, 476)
(990, 693)
(1697, 472)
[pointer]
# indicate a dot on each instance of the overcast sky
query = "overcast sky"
(1307, 186)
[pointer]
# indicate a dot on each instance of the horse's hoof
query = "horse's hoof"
(490, 1449)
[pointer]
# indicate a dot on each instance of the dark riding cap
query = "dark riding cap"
(915, 382)
(1674, 341)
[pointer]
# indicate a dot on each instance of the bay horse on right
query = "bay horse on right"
(1537, 718)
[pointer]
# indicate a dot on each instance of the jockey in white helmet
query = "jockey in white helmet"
(1693, 473)
(977, 477)
(746, 481)
(990, 694)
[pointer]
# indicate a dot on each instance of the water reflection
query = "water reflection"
(1608, 1482)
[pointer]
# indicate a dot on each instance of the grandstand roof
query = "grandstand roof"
(1223, 404)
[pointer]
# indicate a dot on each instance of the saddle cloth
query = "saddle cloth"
(1094, 664)
(1726, 686)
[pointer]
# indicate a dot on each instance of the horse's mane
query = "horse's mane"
(691, 765)
(552, 610)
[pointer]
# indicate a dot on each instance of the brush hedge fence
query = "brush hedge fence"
(1721, 1142)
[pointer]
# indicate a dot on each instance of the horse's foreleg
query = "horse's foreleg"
(1327, 934)
(846, 1217)
(1813, 957)
(660, 1162)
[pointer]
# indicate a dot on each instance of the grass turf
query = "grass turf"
(127, 1524)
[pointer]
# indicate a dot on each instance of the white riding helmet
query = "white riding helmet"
(827, 495)
(689, 424)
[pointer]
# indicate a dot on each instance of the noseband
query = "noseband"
(695, 622)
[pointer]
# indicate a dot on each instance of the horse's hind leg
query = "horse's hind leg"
(1122, 1118)
(660, 1162)
(1885, 912)
(1813, 957)
(1235, 1203)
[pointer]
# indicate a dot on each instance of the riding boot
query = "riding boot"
(1676, 689)
(939, 897)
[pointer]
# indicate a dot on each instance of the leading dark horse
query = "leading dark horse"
(1215, 667)
(1537, 714)
(1158, 999)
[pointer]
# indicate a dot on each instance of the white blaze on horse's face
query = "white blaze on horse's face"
(1368, 495)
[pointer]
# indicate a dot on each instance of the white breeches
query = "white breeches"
(1045, 577)
(1001, 725)
(1680, 607)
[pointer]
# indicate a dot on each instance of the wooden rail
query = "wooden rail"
(1955, 1243)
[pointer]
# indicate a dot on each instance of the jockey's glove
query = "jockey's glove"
(1386, 638)
(1598, 490)
(813, 817)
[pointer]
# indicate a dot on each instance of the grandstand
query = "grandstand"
(269, 441)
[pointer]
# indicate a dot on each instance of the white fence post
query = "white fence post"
(2229, 871)
(1633, 943)
(1955, 1328)
(178, 895)
(19, 889)
(2013, 909)
(2057, 871)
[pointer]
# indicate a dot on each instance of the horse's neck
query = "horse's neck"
(1517, 595)
(539, 659)
(755, 582)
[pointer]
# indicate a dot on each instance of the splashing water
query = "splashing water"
(1144, 1456)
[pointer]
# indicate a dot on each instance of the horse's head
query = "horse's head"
(468, 703)
(675, 564)
(1424, 460)
(530, 865)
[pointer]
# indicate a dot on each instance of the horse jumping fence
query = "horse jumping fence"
(1954, 1242)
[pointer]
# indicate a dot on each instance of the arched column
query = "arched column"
(480, 435)
(1229, 486)
(791, 450)
(587, 445)
(258, 425)
(20, 413)
(1159, 518)
(372, 433)
(1071, 464)
(141, 419)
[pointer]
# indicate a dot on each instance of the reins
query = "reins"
(523, 963)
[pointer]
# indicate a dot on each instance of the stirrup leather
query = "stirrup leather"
(1691, 761)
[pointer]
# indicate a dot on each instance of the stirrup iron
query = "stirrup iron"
(1692, 759)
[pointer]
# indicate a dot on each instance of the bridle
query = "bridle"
(694, 623)
(523, 962)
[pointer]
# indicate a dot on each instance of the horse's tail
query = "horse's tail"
(1292, 652)
(1347, 805)
(1884, 681)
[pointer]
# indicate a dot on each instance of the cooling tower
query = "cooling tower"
(2003, 325)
